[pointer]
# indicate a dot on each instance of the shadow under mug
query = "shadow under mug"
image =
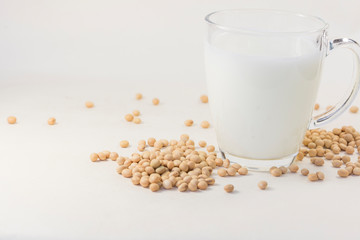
(263, 69)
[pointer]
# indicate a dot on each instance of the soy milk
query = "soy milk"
(261, 93)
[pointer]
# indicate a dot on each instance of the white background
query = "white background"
(55, 55)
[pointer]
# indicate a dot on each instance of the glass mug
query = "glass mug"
(263, 69)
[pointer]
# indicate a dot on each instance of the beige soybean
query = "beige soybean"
(293, 168)
(311, 145)
(226, 163)
(127, 173)
(138, 96)
(349, 137)
(167, 184)
(243, 171)
(154, 187)
(155, 163)
(229, 188)
(319, 162)
(283, 169)
(189, 122)
(211, 181)
(276, 172)
(192, 186)
(319, 142)
(349, 169)
(136, 113)
(312, 152)
(51, 121)
(222, 172)
(11, 120)
(345, 159)
(144, 181)
(356, 171)
(137, 120)
(202, 144)
(306, 141)
(113, 156)
(89, 104)
(151, 141)
(135, 180)
(343, 173)
(129, 117)
(160, 170)
(337, 131)
(304, 172)
(300, 156)
(205, 124)
(195, 158)
(120, 160)
(320, 152)
(219, 162)
(349, 150)
(184, 137)
(354, 109)
(313, 177)
(336, 150)
(329, 155)
(204, 98)
(210, 148)
(202, 185)
(336, 163)
(156, 101)
(183, 187)
(94, 157)
(320, 175)
(262, 185)
(184, 166)
(317, 106)
(124, 143)
(102, 156)
(154, 178)
(231, 171)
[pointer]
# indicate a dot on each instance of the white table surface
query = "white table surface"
(58, 54)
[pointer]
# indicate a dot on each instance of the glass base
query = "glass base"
(259, 164)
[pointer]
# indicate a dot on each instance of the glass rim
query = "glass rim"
(258, 10)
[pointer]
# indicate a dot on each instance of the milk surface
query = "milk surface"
(261, 93)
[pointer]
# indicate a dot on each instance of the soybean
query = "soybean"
(229, 188)
(124, 143)
(262, 185)
(11, 120)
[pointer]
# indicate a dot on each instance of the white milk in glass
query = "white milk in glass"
(261, 93)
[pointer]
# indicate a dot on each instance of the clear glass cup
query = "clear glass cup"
(263, 69)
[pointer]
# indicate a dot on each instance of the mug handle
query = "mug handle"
(346, 101)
